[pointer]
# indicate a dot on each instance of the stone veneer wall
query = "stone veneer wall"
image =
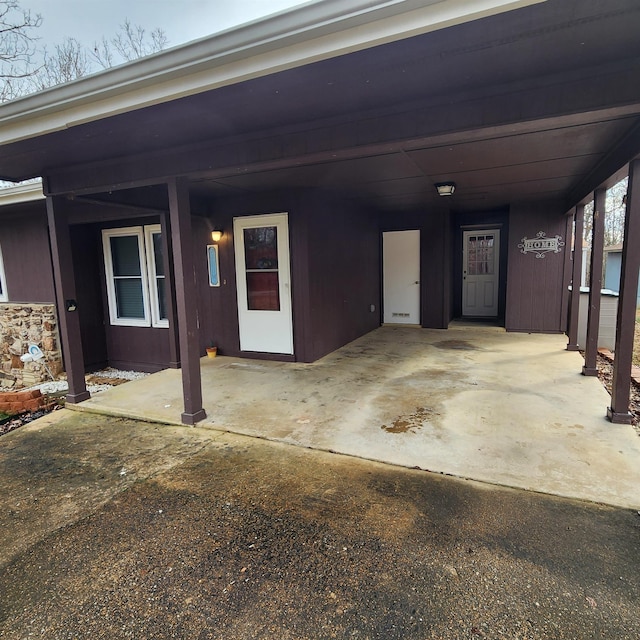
(20, 326)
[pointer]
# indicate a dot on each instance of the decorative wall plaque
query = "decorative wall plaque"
(541, 245)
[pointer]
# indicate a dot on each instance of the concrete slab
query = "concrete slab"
(473, 402)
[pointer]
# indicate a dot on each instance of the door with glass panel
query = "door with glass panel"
(263, 283)
(481, 260)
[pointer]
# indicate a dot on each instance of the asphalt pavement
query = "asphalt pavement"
(114, 528)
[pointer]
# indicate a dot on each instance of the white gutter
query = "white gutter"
(314, 31)
(27, 192)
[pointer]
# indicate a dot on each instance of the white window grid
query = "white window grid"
(148, 275)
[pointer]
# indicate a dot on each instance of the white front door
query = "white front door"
(481, 261)
(401, 277)
(263, 283)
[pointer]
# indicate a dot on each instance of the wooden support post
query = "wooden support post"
(186, 299)
(566, 273)
(595, 284)
(576, 279)
(68, 311)
(618, 412)
(170, 292)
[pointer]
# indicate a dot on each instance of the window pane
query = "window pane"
(125, 256)
(261, 248)
(262, 291)
(129, 301)
(162, 304)
(157, 253)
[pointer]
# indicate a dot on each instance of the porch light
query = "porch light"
(445, 188)
(216, 235)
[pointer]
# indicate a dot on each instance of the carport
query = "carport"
(528, 108)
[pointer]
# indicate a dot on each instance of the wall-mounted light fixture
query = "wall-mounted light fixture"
(216, 235)
(445, 188)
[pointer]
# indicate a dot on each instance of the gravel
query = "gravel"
(114, 377)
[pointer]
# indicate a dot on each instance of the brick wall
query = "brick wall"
(20, 326)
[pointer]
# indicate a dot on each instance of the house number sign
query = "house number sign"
(541, 245)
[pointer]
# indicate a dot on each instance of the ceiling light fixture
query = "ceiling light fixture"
(445, 188)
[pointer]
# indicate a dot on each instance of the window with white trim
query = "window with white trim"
(134, 269)
(4, 296)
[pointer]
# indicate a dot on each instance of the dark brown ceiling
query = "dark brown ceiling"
(528, 105)
(488, 173)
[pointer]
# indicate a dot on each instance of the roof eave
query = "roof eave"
(312, 32)
(20, 193)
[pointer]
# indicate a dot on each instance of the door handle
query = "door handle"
(417, 282)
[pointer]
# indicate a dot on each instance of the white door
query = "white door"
(401, 277)
(481, 260)
(263, 283)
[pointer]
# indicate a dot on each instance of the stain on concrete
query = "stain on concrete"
(458, 345)
(409, 423)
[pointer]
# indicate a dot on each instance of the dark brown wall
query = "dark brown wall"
(534, 285)
(87, 254)
(217, 306)
(24, 239)
(342, 276)
(138, 348)
(335, 277)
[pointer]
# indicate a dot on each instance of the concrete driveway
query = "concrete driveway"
(113, 528)
(472, 401)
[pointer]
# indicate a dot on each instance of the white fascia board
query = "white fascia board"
(315, 31)
(28, 192)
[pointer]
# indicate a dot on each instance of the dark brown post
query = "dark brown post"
(68, 313)
(186, 299)
(566, 273)
(619, 410)
(576, 279)
(170, 292)
(595, 284)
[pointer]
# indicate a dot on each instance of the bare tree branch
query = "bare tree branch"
(68, 61)
(17, 44)
(130, 43)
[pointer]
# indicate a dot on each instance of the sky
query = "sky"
(181, 20)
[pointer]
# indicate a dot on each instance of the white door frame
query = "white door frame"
(481, 278)
(264, 331)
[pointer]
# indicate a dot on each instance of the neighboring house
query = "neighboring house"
(315, 140)
(613, 267)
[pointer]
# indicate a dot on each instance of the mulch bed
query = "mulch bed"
(605, 374)
(13, 422)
